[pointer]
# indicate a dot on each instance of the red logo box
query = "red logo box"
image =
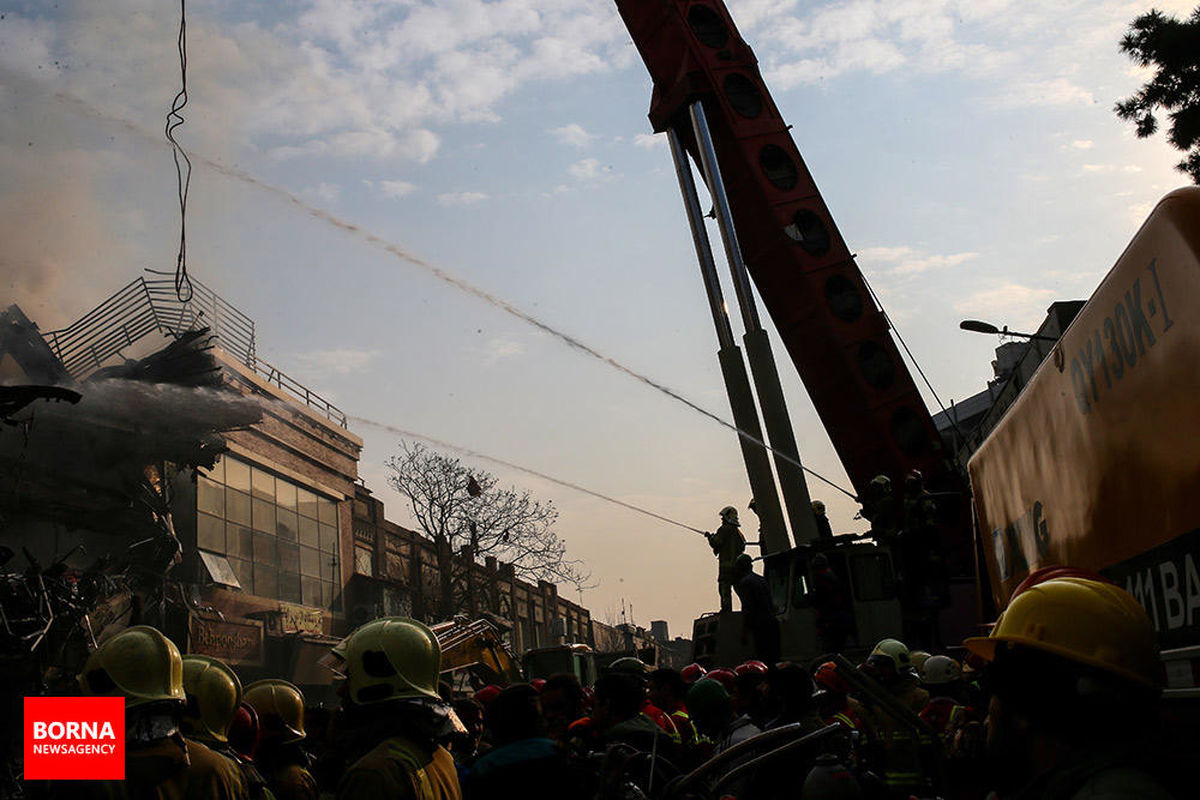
(74, 738)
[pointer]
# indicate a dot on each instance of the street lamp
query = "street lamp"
(977, 326)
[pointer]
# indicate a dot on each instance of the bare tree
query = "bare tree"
(457, 508)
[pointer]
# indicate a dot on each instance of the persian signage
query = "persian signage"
(232, 642)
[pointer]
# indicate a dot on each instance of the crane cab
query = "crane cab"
(867, 582)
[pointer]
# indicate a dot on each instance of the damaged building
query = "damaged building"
(163, 474)
(210, 483)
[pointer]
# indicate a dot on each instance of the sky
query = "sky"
(967, 150)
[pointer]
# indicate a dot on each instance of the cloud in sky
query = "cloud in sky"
(647, 141)
(1008, 303)
(497, 350)
(344, 79)
(907, 261)
(589, 169)
(324, 192)
(1050, 92)
(573, 135)
(337, 361)
(393, 189)
(1025, 53)
(461, 198)
(1127, 168)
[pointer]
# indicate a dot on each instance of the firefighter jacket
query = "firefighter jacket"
(401, 769)
(661, 719)
(1090, 775)
(169, 769)
(727, 544)
(292, 782)
(902, 757)
(683, 724)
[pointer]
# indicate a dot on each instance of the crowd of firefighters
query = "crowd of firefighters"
(1059, 701)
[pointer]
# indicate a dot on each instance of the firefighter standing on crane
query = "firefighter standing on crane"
(727, 544)
(879, 508)
(824, 529)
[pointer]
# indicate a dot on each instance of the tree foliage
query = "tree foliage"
(1172, 47)
(457, 507)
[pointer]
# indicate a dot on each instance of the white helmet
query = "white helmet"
(939, 670)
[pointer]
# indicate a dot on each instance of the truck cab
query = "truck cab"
(574, 659)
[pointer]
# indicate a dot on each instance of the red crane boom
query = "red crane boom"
(835, 335)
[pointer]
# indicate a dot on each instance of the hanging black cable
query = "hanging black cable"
(183, 164)
(911, 357)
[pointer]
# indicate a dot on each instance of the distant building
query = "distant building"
(966, 423)
(397, 568)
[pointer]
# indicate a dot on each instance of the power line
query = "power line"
(459, 283)
(911, 357)
(476, 454)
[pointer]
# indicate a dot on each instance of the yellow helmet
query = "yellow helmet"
(1082, 620)
(895, 651)
(392, 658)
(280, 709)
(213, 694)
(139, 664)
(917, 659)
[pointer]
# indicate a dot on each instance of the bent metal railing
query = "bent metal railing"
(145, 306)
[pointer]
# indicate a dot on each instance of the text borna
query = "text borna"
(82, 731)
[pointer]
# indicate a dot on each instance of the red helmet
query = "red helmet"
(725, 677)
(538, 684)
(487, 694)
(827, 678)
(752, 666)
(243, 731)
(692, 673)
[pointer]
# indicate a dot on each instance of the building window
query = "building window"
(364, 561)
(280, 538)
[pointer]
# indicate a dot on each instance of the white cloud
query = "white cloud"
(1108, 168)
(327, 192)
(338, 361)
(909, 262)
(589, 169)
(497, 350)
(648, 141)
(1139, 211)
(461, 198)
(884, 253)
(1010, 303)
(1082, 144)
(1050, 92)
(573, 135)
(393, 189)
(343, 78)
